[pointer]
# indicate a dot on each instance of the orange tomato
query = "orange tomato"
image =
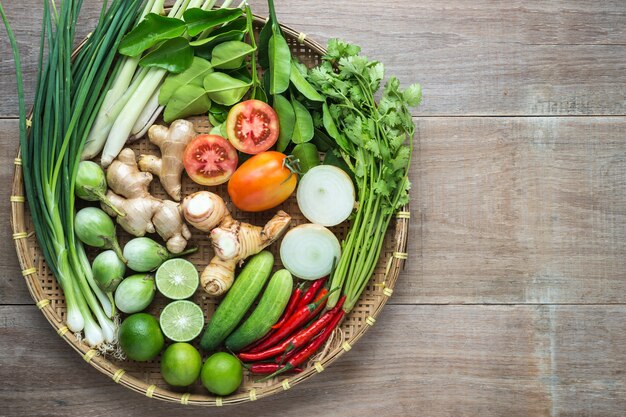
(262, 182)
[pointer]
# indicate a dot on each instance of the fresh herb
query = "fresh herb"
(375, 141)
(286, 119)
(174, 55)
(303, 127)
(151, 31)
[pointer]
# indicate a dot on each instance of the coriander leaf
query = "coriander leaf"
(413, 95)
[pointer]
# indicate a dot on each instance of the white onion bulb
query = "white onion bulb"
(326, 195)
(309, 251)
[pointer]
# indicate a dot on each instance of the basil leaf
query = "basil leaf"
(174, 55)
(194, 75)
(189, 100)
(303, 128)
(224, 89)
(152, 30)
(286, 121)
(230, 55)
(264, 40)
(280, 62)
(199, 20)
(302, 85)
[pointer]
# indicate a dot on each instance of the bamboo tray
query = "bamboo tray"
(145, 377)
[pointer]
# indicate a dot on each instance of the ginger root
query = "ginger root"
(144, 213)
(172, 142)
(232, 240)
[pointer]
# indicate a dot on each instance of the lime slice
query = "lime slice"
(177, 279)
(181, 321)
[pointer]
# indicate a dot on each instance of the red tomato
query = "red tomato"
(210, 159)
(252, 126)
(262, 182)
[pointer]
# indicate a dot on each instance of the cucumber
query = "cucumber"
(238, 300)
(266, 314)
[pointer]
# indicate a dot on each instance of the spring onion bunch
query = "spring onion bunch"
(67, 99)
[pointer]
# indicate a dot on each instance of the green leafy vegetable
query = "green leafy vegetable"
(303, 127)
(188, 100)
(194, 75)
(264, 41)
(224, 89)
(280, 62)
(230, 55)
(307, 156)
(219, 35)
(199, 20)
(286, 120)
(375, 143)
(302, 85)
(174, 55)
(152, 30)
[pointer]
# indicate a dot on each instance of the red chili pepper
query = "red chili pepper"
(299, 317)
(311, 348)
(268, 368)
(297, 340)
(310, 293)
(291, 306)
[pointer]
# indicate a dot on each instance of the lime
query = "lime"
(140, 337)
(177, 279)
(222, 373)
(181, 364)
(182, 321)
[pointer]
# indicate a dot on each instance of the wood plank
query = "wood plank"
(505, 210)
(517, 210)
(481, 57)
(417, 360)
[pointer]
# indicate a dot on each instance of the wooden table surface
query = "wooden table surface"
(513, 300)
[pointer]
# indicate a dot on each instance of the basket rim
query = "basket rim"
(118, 374)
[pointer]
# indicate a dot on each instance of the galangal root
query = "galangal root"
(232, 240)
(169, 167)
(144, 213)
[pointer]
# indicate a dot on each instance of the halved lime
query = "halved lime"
(177, 279)
(182, 321)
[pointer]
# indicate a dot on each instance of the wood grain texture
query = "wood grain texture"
(481, 57)
(417, 360)
(517, 210)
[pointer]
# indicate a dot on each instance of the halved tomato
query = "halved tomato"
(210, 159)
(262, 182)
(252, 126)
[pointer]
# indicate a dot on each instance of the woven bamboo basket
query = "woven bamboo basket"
(145, 377)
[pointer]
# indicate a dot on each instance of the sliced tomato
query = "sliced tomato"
(210, 159)
(252, 126)
(262, 182)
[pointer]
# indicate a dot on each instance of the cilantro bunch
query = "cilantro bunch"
(374, 138)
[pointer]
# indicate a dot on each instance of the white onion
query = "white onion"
(326, 195)
(309, 251)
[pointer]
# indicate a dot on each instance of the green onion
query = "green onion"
(68, 96)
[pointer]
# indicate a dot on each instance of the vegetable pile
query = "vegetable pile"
(327, 135)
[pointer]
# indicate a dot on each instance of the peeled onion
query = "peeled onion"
(309, 251)
(326, 195)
